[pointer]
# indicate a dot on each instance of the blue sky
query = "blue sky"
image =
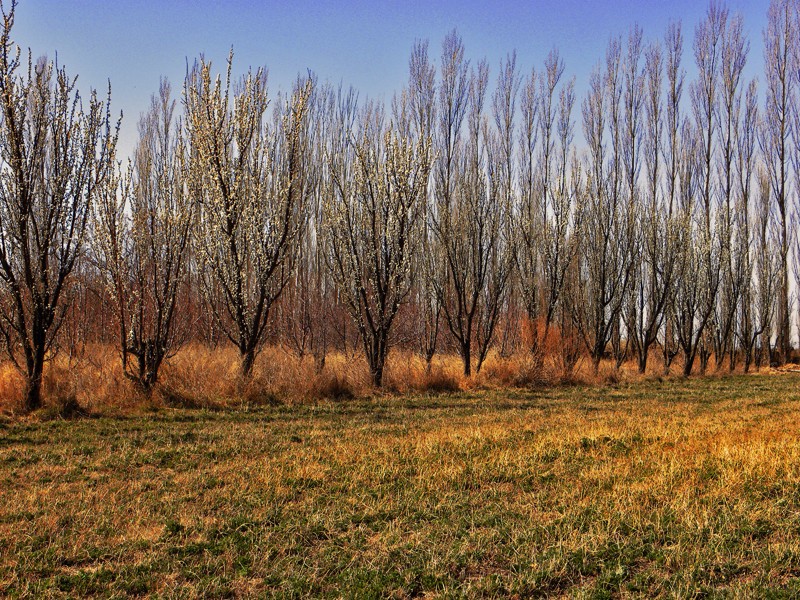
(365, 44)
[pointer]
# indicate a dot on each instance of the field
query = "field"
(682, 488)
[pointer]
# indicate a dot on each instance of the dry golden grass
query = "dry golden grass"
(203, 377)
(683, 488)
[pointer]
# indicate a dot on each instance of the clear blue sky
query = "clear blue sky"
(366, 44)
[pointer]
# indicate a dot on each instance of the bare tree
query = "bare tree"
(431, 266)
(469, 219)
(143, 227)
(249, 180)
(606, 223)
(673, 43)
(529, 216)
(442, 224)
(652, 281)
(56, 150)
(500, 194)
(546, 215)
(306, 307)
(767, 267)
(779, 38)
(651, 276)
(707, 47)
(695, 280)
(795, 154)
(748, 330)
(556, 199)
(733, 59)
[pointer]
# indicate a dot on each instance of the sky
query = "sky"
(133, 43)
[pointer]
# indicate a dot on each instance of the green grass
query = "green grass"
(672, 489)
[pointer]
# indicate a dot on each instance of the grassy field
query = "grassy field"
(674, 489)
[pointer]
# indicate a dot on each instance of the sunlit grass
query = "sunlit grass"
(674, 489)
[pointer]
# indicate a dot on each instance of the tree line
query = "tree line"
(651, 219)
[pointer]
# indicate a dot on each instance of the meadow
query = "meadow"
(649, 488)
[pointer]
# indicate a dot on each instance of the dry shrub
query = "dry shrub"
(609, 374)
(72, 386)
(12, 388)
(408, 372)
(403, 372)
(331, 385)
(531, 372)
(438, 380)
(97, 379)
(60, 391)
(560, 354)
(522, 369)
(293, 379)
(500, 371)
(199, 376)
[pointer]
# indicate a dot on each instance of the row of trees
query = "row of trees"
(467, 207)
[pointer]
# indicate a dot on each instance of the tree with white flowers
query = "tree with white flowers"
(143, 226)
(378, 178)
(56, 150)
(249, 183)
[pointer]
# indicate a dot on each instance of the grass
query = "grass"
(686, 488)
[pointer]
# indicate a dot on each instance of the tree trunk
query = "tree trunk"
(688, 363)
(784, 328)
(479, 363)
(376, 372)
(33, 391)
(319, 361)
(668, 353)
(248, 359)
(35, 367)
(705, 355)
(748, 358)
(466, 357)
(377, 349)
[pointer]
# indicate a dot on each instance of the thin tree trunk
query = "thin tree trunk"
(33, 389)
(248, 358)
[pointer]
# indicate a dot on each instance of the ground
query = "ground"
(678, 488)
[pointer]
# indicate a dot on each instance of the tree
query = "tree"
(556, 200)
(733, 56)
(748, 330)
(143, 229)
(430, 264)
(471, 218)
(607, 220)
(546, 248)
(707, 47)
(767, 269)
(653, 275)
(795, 155)
(779, 38)
(650, 276)
(696, 257)
(306, 307)
(529, 216)
(56, 151)
(250, 186)
(673, 43)
(378, 179)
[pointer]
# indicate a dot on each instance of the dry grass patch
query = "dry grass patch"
(649, 489)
